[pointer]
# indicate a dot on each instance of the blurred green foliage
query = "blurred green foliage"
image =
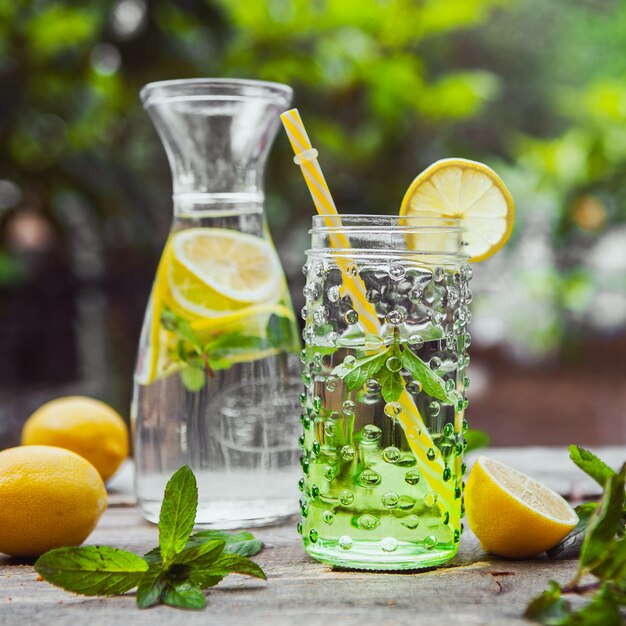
(385, 87)
(374, 80)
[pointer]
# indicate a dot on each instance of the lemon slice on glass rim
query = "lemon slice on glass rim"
(469, 191)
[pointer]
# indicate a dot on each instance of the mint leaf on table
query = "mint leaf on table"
(204, 580)
(178, 513)
(183, 595)
(604, 523)
(549, 607)
(603, 610)
(591, 464)
(226, 564)
(432, 384)
(92, 570)
(201, 555)
(242, 543)
(152, 585)
(186, 563)
(613, 566)
(602, 526)
(476, 439)
(174, 573)
(234, 564)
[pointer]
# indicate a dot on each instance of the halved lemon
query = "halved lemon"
(513, 515)
(467, 190)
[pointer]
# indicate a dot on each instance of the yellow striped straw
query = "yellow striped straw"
(415, 430)
(306, 158)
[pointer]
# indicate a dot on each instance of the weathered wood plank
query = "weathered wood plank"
(473, 589)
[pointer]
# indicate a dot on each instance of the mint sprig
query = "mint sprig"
(591, 464)
(605, 523)
(355, 375)
(432, 383)
(177, 572)
(242, 543)
(199, 360)
(92, 570)
(183, 595)
(365, 368)
(178, 513)
(602, 528)
(551, 609)
(392, 384)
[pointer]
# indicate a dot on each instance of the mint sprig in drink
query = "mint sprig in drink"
(385, 363)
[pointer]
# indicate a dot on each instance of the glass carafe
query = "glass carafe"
(217, 376)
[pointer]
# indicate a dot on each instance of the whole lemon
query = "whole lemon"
(49, 498)
(86, 426)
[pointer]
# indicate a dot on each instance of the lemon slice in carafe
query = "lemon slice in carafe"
(215, 270)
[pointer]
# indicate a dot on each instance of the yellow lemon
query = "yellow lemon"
(465, 190)
(216, 270)
(49, 498)
(86, 426)
(513, 515)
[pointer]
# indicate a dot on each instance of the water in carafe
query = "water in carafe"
(216, 382)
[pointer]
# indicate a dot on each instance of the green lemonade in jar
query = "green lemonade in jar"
(383, 411)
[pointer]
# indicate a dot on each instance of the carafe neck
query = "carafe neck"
(215, 205)
(217, 134)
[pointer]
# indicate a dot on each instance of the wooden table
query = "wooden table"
(473, 589)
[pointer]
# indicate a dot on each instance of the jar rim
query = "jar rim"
(355, 222)
(412, 237)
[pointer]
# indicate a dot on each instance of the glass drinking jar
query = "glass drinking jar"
(383, 409)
